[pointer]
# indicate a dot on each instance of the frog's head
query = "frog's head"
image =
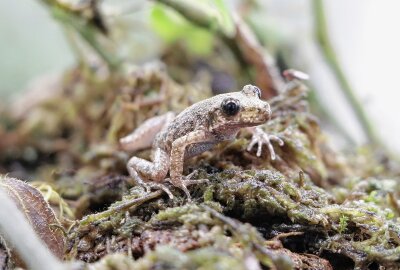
(241, 109)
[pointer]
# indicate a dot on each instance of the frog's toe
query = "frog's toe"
(185, 182)
(189, 182)
(185, 189)
(181, 184)
(254, 141)
(261, 138)
(159, 186)
(271, 147)
(277, 139)
(146, 187)
(190, 175)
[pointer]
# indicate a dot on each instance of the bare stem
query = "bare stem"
(329, 53)
(87, 32)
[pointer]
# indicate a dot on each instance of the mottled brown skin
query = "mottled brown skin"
(195, 130)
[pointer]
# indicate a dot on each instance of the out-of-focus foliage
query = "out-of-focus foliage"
(172, 27)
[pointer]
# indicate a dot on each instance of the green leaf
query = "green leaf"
(200, 42)
(171, 26)
(225, 19)
(166, 23)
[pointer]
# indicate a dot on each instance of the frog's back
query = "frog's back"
(190, 119)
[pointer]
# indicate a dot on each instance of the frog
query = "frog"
(198, 128)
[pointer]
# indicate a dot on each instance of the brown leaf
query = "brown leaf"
(38, 212)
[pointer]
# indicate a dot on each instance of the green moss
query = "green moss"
(305, 199)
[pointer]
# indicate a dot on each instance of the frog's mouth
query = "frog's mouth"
(254, 117)
(245, 118)
(247, 122)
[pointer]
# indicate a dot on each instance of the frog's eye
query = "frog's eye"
(230, 107)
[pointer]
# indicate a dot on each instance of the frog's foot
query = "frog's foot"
(184, 182)
(260, 137)
(158, 186)
(136, 180)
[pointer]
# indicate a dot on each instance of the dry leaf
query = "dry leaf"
(38, 212)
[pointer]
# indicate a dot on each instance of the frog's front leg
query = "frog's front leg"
(178, 154)
(151, 174)
(260, 137)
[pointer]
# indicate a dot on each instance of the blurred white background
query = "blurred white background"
(367, 40)
(364, 34)
(31, 44)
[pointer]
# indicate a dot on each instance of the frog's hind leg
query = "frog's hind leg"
(150, 174)
(143, 136)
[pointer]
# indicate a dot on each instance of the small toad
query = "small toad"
(195, 130)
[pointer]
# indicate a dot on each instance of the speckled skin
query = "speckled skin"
(195, 130)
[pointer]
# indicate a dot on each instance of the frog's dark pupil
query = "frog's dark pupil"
(230, 108)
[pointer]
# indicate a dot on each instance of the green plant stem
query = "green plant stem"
(73, 44)
(315, 101)
(120, 208)
(329, 53)
(87, 32)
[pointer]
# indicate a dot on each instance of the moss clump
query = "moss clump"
(306, 209)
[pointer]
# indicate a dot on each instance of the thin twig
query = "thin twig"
(121, 208)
